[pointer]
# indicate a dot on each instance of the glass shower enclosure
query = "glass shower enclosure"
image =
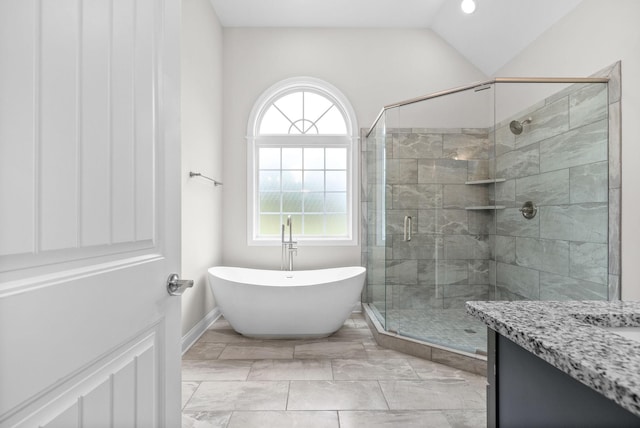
(494, 191)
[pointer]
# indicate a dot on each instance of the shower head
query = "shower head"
(517, 126)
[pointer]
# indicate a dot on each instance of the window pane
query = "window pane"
(292, 158)
(313, 224)
(269, 158)
(332, 123)
(315, 105)
(270, 224)
(274, 122)
(336, 181)
(269, 180)
(269, 202)
(291, 180)
(292, 202)
(337, 224)
(313, 158)
(336, 202)
(297, 225)
(314, 181)
(337, 158)
(314, 202)
(291, 106)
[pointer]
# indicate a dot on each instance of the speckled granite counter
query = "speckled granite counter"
(568, 335)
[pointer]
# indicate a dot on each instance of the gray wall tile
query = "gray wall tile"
(519, 280)
(589, 183)
(589, 262)
(402, 171)
(550, 120)
(510, 222)
(462, 195)
(557, 287)
(394, 221)
(614, 232)
(401, 272)
(579, 222)
(465, 247)
(442, 171)
(551, 188)
(466, 146)
(420, 247)
(615, 138)
(481, 222)
(519, 162)
(479, 271)
(588, 104)
(417, 145)
(584, 145)
(547, 255)
(443, 221)
(416, 297)
(505, 249)
(442, 272)
(505, 193)
(417, 196)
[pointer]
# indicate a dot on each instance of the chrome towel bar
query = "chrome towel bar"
(197, 174)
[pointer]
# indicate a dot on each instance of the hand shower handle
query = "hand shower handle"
(407, 230)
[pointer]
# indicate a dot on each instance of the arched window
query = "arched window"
(302, 162)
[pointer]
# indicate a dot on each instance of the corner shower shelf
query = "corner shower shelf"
(486, 207)
(488, 181)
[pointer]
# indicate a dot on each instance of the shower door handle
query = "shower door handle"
(407, 230)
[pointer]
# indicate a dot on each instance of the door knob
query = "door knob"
(176, 286)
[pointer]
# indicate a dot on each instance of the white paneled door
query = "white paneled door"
(89, 213)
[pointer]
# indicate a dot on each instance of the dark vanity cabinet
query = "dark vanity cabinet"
(525, 391)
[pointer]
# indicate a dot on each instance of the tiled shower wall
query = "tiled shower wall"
(559, 162)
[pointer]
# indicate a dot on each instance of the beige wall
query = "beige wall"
(595, 35)
(201, 152)
(372, 67)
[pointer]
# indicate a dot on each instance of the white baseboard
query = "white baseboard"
(198, 330)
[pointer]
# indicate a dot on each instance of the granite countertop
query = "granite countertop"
(569, 336)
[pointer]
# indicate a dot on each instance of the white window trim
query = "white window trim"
(351, 140)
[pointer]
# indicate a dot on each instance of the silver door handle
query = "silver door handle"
(176, 286)
(407, 233)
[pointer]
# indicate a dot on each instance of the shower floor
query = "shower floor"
(452, 328)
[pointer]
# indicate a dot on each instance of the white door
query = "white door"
(89, 213)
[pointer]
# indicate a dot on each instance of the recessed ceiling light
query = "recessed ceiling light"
(468, 6)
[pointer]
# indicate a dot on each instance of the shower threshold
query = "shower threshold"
(471, 362)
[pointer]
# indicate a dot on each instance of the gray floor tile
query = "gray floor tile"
(430, 395)
(205, 419)
(394, 419)
(255, 351)
(335, 395)
(188, 388)
(199, 370)
(234, 395)
(291, 370)
(330, 350)
(204, 351)
(359, 369)
(298, 419)
(466, 418)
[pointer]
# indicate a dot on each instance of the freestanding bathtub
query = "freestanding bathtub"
(286, 304)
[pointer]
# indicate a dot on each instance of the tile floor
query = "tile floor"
(344, 381)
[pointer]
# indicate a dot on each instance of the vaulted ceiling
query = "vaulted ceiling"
(488, 38)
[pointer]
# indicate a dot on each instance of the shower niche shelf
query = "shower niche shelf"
(488, 181)
(486, 207)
